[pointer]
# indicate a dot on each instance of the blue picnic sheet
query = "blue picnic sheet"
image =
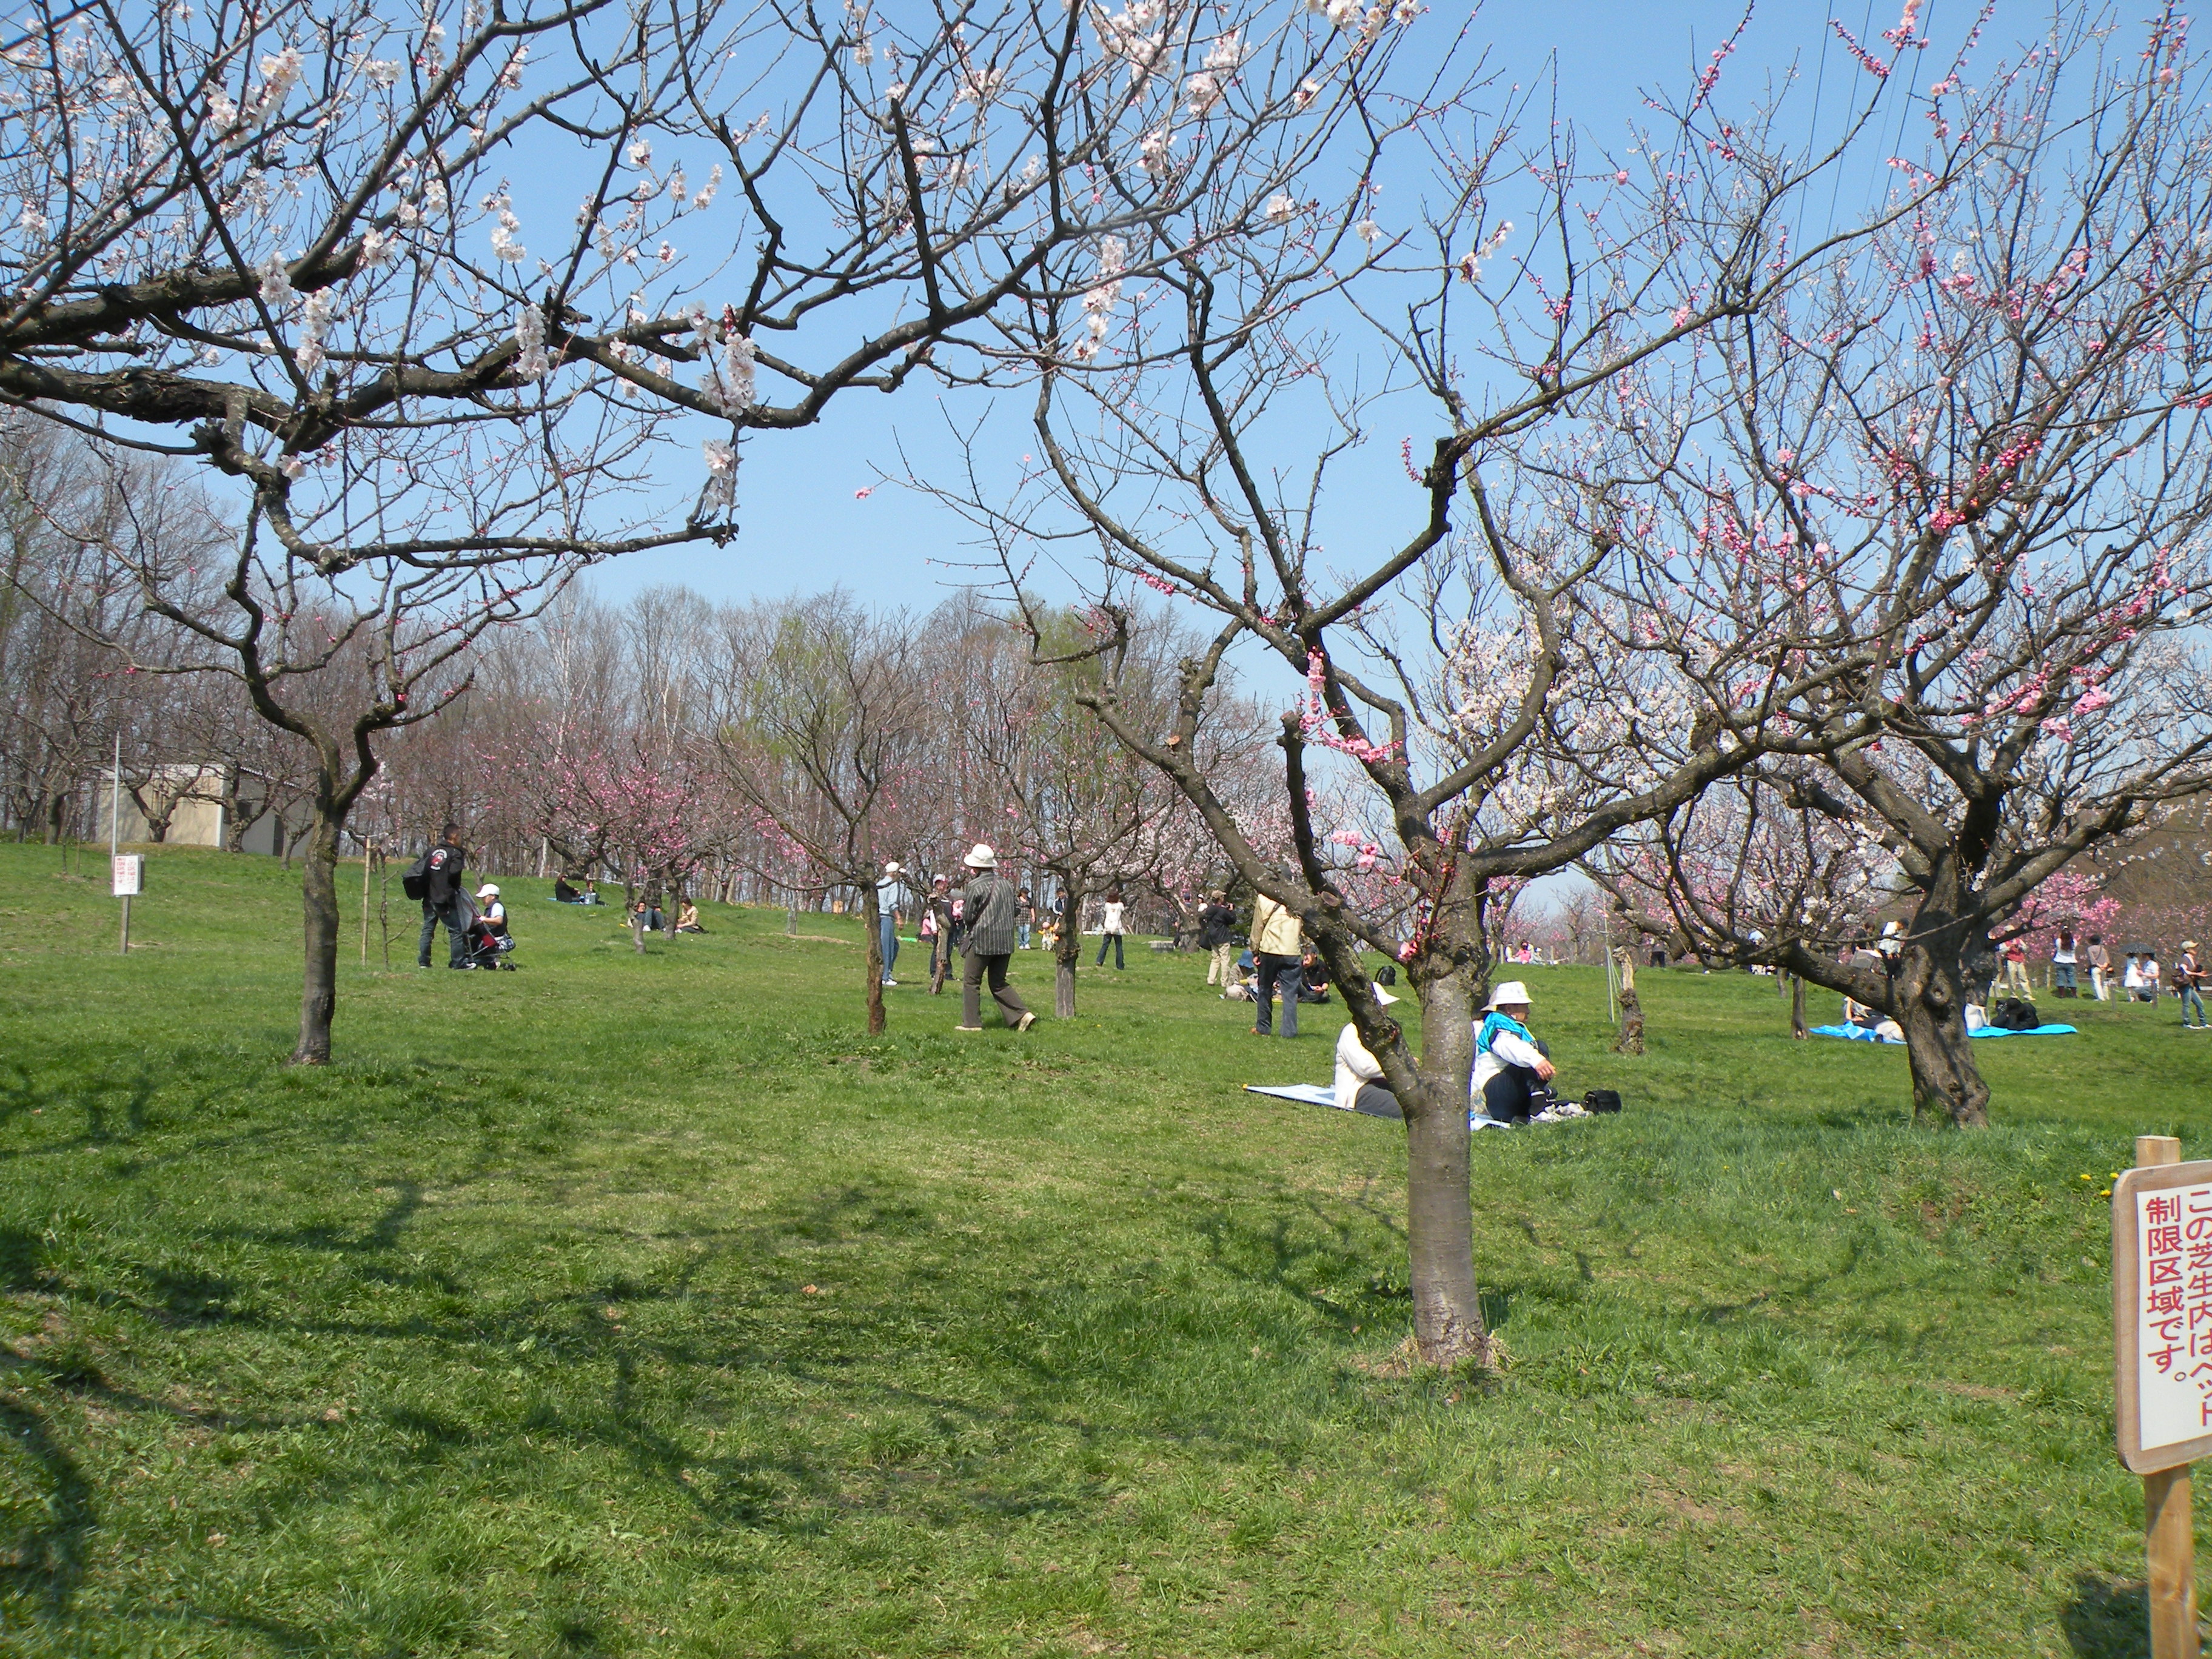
(1859, 1034)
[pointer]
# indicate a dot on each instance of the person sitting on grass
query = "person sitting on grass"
(1359, 1084)
(1313, 977)
(1512, 1070)
(563, 893)
(687, 918)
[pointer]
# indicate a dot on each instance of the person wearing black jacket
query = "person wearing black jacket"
(1216, 935)
(443, 898)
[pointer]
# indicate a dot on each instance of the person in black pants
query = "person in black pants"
(442, 899)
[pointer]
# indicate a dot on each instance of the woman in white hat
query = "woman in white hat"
(990, 907)
(1510, 1067)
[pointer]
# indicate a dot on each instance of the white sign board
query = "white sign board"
(130, 874)
(2162, 1313)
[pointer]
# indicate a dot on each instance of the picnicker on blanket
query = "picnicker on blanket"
(1510, 1067)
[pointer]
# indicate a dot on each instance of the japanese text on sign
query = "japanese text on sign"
(2173, 1377)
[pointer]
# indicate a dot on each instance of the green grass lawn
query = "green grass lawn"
(641, 1305)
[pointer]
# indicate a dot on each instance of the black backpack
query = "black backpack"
(416, 883)
(1602, 1100)
(2014, 1014)
(1386, 973)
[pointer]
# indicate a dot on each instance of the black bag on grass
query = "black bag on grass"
(1602, 1100)
(2015, 1014)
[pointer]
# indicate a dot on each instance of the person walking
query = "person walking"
(1217, 934)
(1024, 919)
(1111, 929)
(890, 899)
(1275, 962)
(988, 906)
(443, 898)
(2189, 980)
(2100, 968)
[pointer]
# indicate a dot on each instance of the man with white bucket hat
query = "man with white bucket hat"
(991, 908)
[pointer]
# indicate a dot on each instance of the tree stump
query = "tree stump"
(1631, 1040)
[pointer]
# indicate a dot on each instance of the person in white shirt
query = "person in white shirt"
(2131, 979)
(1113, 928)
(1359, 1084)
(2063, 961)
(489, 910)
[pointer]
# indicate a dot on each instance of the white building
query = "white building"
(198, 817)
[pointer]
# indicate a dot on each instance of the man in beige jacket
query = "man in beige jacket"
(1275, 958)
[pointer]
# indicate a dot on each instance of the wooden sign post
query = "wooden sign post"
(130, 878)
(2162, 1335)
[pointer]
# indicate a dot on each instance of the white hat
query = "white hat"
(981, 857)
(1513, 993)
(891, 866)
(487, 891)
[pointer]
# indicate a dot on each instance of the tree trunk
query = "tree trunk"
(1067, 947)
(1631, 1040)
(637, 929)
(871, 926)
(1931, 1005)
(1448, 1324)
(1798, 1029)
(318, 903)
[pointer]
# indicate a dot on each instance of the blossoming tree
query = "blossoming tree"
(1967, 462)
(306, 247)
(1526, 666)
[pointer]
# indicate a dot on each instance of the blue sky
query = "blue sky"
(805, 531)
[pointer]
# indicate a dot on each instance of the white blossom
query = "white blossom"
(375, 250)
(1154, 152)
(714, 183)
(640, 153)
(1226, 54)
(1202, 91)
(276, 291)
(722, 472)
(280, 73)
(734, 386)
(382, 71)
(530, 363)
(315, 319)
(1281, 206)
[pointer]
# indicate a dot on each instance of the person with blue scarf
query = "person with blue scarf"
(1511, 1068)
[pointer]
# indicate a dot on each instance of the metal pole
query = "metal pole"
(1611, 1012)
(115, 832)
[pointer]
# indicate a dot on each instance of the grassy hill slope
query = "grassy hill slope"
(633, 1304)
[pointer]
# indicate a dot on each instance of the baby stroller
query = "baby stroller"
(486, 945)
